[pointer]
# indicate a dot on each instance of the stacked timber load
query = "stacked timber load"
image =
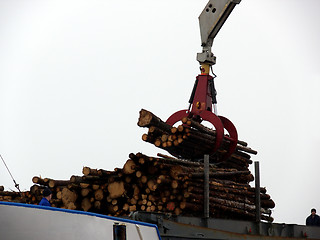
(156, 184)
(11, 196)
(191, 140)
(162, 184)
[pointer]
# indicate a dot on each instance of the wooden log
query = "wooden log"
(76, 179)
(98, 194)
(69, 196)
(155, 131)
(84, 185)
(267, 203)
(191, 206)
(141, 161)
(125, 207)
(136, 190)
(94, 178)
(144, 179)
(220, 174)
(147, 138)
(157, 142)
(164, 138)
(147, 119)
(97, 205)
(184, 162)
(152, 185)
(237, 205)
(86, 204)
(129, 167)
(56, 203)
(95, 186)
(89, 171)
(11, 194)
(240, 200)
(152, 170)
(174, 184)
(138, 174)
(102, 172)
(163, 179)
(203, 129)
(71, 206)
(59, 195)
(133, 208)
(116, 189)
(85, 192)
(153, 208)
(236, 158)
(40, 181)
(112, 209)
(55, 183)
(198, 126)
(244, 213)
(199, 190)
(128, 179)
(133, 156)
(246, 149)
(36, 189)
(133, 201)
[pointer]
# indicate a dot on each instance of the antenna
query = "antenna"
(15, 183)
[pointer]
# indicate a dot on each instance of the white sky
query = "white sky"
(74, 75)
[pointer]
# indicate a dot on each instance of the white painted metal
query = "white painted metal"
(32, 222)
(211, 20)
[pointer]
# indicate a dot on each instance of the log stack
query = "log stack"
(11, 196)
(191, 140)
(154, 184)
(163, 184)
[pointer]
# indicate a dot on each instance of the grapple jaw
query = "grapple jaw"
(201, 100)
(219, 123)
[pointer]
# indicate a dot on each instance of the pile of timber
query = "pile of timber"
(162, 184)
(191, 140)
(12, 196)
(155, 184)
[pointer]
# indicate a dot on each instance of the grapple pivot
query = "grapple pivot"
(202, 98)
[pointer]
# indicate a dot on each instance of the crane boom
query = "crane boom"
(211, 20)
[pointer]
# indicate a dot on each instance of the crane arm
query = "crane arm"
(211, 20)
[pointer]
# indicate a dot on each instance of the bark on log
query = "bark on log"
(148, 119)
(55, 183)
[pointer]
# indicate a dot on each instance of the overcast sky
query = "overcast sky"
(75, 74)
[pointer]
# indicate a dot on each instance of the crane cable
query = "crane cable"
(15, 183)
